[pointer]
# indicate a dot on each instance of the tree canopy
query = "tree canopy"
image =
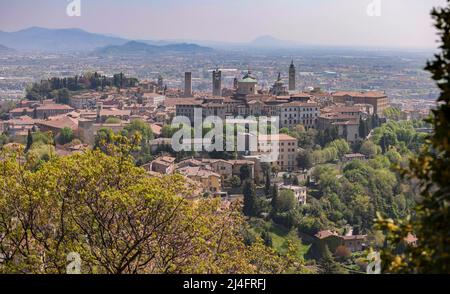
(118, 219)
(431, 170)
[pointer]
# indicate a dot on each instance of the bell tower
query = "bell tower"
(292, 76)
(217, 83)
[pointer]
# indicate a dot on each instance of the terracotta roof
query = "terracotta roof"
(325, 234)
(49, 106)
(156, 129)
(165, 159)
(241, 161)
(301, 95)
(354, 237)
(278, 137)
(197, 171)
(115, 112)
(410, 239)
(369, 94)
(342, 109)
(182, 101)
(59, 123)
(301, 104)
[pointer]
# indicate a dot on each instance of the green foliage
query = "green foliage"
(328, 154)
(328, 265)
(40, 153)
(137, 130)
(305, 160)
(41, 138)
(167, 131)
(141, 127)
(267, 238)
(119, 220)
(369, 149)
(65, 136)
(245, 172)
(235, 182)
(326, 136)
(354, 194)
(431, 170)
(340, 145)
(393, 113)
(267, 183)
(401, 135)
(29, 140)
(60, 88)
(3, 140)
(250, 200)
(113, 120)
(285, 201)
(62, 96)
(332, 152)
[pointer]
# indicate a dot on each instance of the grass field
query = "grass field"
(280, 237)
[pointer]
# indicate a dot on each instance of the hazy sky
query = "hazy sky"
(402, 23)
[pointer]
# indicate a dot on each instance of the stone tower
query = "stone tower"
(187, 84)
(292, 77)
(217, 83)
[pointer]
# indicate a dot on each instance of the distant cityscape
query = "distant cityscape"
(346, 116)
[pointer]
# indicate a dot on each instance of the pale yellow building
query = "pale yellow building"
(286, 147)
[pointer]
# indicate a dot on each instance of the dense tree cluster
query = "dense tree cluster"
(119, 220)
(58, 88)
(354, 194)
(400, 134)
(142, 155)
(431, 170)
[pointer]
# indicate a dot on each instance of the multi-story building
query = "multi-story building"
(41, 110)
(299, 113)
(163, 165)
(207, 107)
(286, 147)
(299, 192)
(347, 125)
(83, 101)
(378, 100)
(186, 107)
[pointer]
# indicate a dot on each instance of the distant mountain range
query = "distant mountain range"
(42, 39)
(4, 49)
(58, 40)
(140, 48)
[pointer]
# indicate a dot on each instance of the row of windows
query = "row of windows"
(279, 144)
(305, 122)
(289, 163)
(303, 115)
(301, 109)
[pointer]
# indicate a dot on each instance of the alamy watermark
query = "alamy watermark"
(374, 8)
(73, 8)
(74, 264)
(374, 266)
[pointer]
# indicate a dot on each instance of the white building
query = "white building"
(299, 192)
(299, 113)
